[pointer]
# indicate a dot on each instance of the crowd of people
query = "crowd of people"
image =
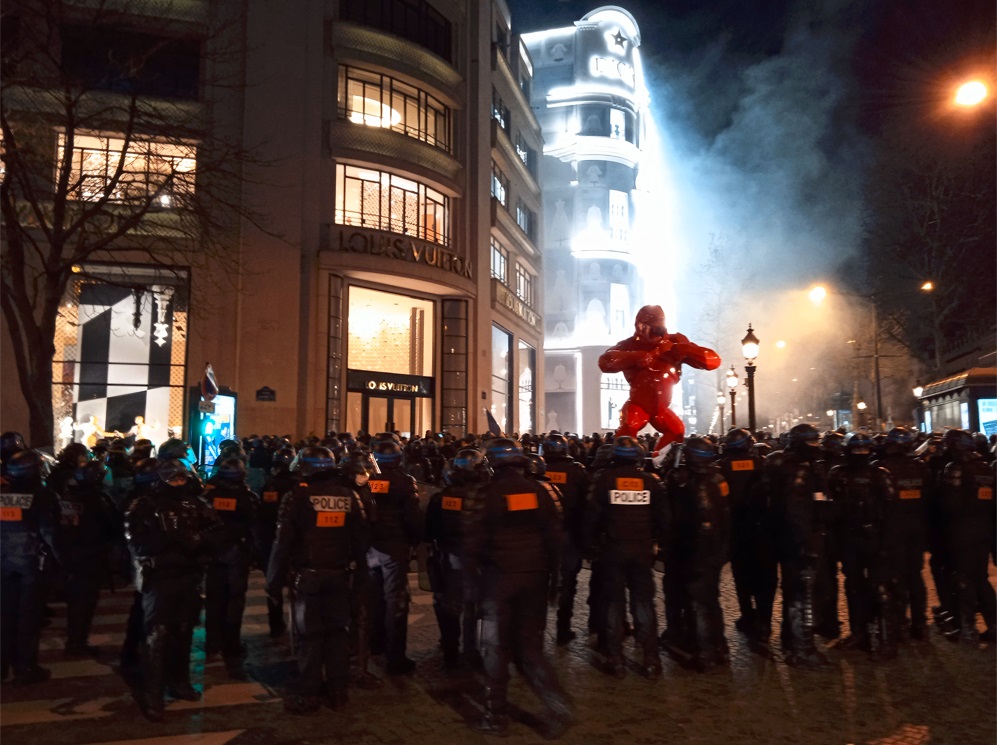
(505, 525)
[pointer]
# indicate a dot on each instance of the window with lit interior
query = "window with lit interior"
(103, 167)
(387, 201)
(524, 284)
(377, 100)
(500, 262)
(500, 186)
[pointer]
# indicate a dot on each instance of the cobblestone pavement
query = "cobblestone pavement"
(935, 692)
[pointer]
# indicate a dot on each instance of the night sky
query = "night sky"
(772, 115)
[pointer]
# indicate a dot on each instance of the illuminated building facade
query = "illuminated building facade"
(397, 283)
(590, 97)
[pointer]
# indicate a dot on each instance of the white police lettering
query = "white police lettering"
(331, 504)
(24, 501)
(629, 497)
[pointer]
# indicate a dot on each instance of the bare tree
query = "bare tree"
(113, 150)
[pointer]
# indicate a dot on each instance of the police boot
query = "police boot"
(494, 721)
(179, 686)
(800, 648)
(564, 633)
(154, 674)
(707, 655)
(886, 629)
(361, 677)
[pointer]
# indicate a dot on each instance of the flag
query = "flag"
(493, 427)
(209, 386)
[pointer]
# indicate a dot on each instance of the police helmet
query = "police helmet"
(387, 453)
(172, 472)
(802, 436)
(431, 449)
(504, 451)
(554, 444)
(11, 442)
(535, 466)
(360, 459)
(25, 465)
(146, 472)
(738, 440)
(959, 440)
(334, 445)
(231, 469)
(833, 443)
(858, 444)
(172, 449)
(472, 464)
(282, 460)
(312, 460)
(142, 449)
(699, 449)
(627, 449)
(73, 455)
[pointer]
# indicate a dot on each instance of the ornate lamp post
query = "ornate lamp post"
(732, 385)
(749, 347)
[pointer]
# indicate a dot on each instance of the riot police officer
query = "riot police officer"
(394, 535)
(29, 514)
(444, 534)
(966, 498)
(828, 534)
(280, 482)
(906, 521)
(752, 558)
(321, 540)
(627, 514)
(512, 557)
(697, 495)
(88, 527)
(144, 482)
(794, 482)
(171, 533)
(573, 482)
(862, 492)
(227, 575)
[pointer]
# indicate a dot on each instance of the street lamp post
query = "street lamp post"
(721, 400)
(732, 384)
(749, 347)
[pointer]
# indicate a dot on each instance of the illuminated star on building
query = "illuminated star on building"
(620, 40)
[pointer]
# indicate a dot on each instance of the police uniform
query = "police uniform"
(573, 483)
(226, 579)
(29, 513)
(171, 533)
(322, 538)
(627, 513)
(512, 546)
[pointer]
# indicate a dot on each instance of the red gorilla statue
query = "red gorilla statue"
(651, 360)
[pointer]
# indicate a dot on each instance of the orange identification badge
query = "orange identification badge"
(330, 519)
(270, 496)
(517, 502)
(742, 465)
(910, 494)
(451, 503)
(724, 489)
(629, 484)
(224, 505)
(984, 492)
(379, 487)
(557, 477)
(10, 514)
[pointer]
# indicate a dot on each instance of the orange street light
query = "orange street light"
(971, 93)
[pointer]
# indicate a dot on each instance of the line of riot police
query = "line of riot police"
(338, 521)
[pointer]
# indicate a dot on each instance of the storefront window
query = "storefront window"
(501, 376)
(386, 201)
(390, 333)
(527, 387)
